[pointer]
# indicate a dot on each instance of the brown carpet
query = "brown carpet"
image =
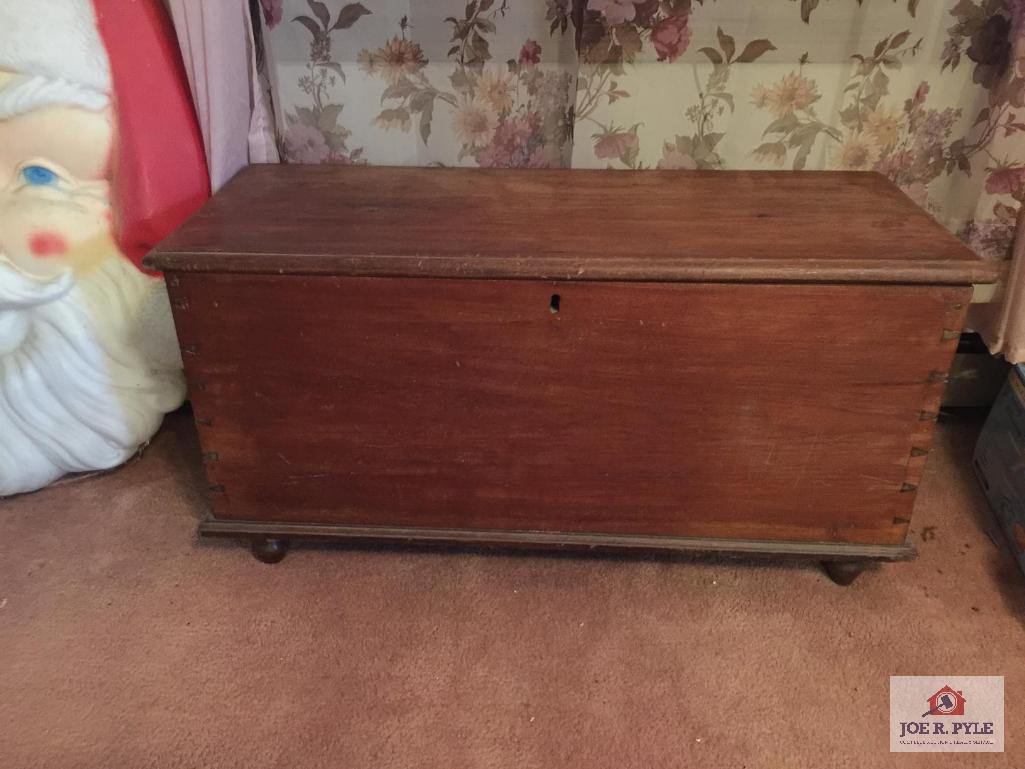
(125, 642)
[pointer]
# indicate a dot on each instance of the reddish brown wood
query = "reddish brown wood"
(736, 361)
(272, 539)
(569, 225)
(750, 411)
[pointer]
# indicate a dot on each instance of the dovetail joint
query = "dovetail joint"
(906, 487)
(939, 377)
(949, 335)
(927, 416)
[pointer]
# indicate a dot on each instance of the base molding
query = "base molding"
(545, 540)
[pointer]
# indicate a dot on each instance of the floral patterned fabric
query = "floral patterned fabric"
(489, 83)
(931, 94)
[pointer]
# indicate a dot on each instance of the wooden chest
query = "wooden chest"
(746, 362)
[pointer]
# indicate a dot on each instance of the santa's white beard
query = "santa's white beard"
(88, 367)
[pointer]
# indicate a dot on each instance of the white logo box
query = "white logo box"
(946, 714)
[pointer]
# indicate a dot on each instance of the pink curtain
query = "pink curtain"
(219, 51)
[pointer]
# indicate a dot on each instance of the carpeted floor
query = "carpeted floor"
(125, 642)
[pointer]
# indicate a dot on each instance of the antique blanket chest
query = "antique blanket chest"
(738, 361)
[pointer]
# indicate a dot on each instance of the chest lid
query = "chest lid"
(722, 226)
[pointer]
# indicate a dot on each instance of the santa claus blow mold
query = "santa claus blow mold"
(88, 359)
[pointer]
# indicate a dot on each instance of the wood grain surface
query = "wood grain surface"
(838, 552)
(569, 225)
(755, 411)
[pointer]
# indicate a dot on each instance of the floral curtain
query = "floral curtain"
(931, 94)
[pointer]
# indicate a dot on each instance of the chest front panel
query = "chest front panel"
(763, 411)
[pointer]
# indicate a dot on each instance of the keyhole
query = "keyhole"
(554, 302)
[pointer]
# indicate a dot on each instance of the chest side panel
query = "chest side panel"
(749, 411)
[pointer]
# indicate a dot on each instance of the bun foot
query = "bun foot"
(269, 550)
(843, 572)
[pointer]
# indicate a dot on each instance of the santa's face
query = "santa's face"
(54, 196)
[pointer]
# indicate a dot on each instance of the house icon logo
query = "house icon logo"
(946, 702)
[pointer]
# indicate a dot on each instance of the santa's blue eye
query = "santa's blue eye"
(39, 176)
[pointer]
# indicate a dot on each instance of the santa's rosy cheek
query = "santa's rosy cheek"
(47, 244)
